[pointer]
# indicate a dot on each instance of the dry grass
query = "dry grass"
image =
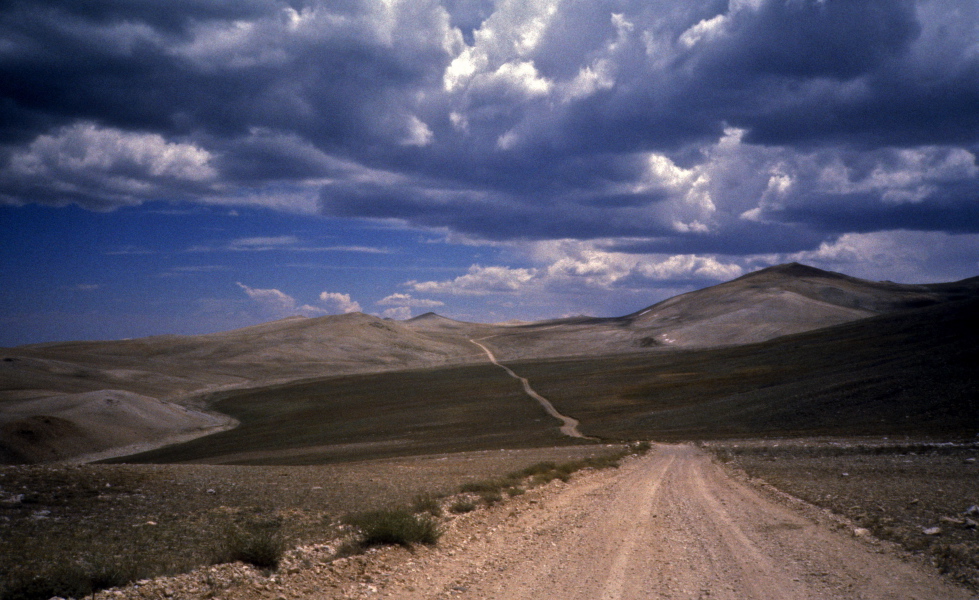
(903, 374)
(342, 419)
(394, 528)
(68, 530)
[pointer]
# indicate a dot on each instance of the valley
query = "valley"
(303, 420)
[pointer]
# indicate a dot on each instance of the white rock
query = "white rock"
(861, 532)
(932, 531)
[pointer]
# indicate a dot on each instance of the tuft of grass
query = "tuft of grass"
(69, 580)
(545, 472)
(427, 504)
(542, 479)
(395, 527)
(259, 544)
(491, 498)
(487, 486)
(960, 561)
(534, 469)
(462, 506)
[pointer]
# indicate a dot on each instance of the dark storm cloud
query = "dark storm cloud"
(804, 39)
(495, 216)
(212, 71)
(739, 239)
(749, 125)
(862, 213)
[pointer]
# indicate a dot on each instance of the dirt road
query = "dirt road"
(670, 525)
(569, 426)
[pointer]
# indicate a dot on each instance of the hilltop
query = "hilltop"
(759, 306)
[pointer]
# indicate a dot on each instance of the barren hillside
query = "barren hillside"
(39, 382)
(760, 306)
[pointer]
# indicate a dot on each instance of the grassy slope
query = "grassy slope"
(908, 373)
(370, 416)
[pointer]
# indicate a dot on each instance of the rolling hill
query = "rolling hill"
(759, 306)
(71, 384)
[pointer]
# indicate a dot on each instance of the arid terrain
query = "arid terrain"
(57, 391)
(820, 442)
(671, 524)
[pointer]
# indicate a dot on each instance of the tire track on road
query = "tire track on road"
(615, 583)
(760, 574)
(669, 526)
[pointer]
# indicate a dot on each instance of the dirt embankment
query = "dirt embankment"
(669, 525)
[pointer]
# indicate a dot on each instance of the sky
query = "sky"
(194, 166)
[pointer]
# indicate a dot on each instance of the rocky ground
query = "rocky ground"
(923, 496)
(673, 524)
(137, 521)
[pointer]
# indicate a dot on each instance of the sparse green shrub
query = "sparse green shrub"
(490, 498)
(723, 455)
(72, 580)
(395, 527)
(611, 461)
(427, 503)
(259, 544)
(534, 469)
(960, 561)
(543, 478)
(564, 470)
(486, 486)
(462, 506)
(515, 491)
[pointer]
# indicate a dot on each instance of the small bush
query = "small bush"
(564, 470)
(487, 486)
(462, 506)
(67, 581)
(543, 478)
(534, 469)
(259, 544)
(490, 498)
(957, 560)
(428, 504)
(395, 527)
(349, 548)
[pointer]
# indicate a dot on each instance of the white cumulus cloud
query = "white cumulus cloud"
(408, 301)
(278, 304)
(479, 280)
(399, 313)
(87, 148)
(585, 264)
(100, 166)
(899, 255)
(340, 302)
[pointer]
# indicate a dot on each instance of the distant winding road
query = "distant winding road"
(569, 427)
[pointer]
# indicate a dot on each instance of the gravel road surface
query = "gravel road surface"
(670, 525)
